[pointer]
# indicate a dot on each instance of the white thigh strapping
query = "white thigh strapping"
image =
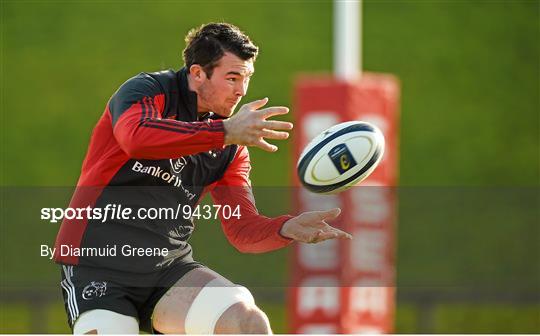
(105, 322)
(211, 302)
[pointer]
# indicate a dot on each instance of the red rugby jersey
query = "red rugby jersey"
(151, 148)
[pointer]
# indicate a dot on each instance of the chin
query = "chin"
(225, 113)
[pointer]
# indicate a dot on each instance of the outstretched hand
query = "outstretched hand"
(249, 126)
(311, 227)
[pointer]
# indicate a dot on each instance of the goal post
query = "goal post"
(347, 286)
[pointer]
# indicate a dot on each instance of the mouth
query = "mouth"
(234, 102)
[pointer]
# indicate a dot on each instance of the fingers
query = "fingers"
(257, 104)
(328, 214)
(339, 233)
(270, 134)
(265, 145)
(322, 235)
(273, 111)
(277, 125)
(274, 135)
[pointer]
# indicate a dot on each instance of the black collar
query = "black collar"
(187, 97)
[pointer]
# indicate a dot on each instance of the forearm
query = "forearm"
(256, 234)
(249, 232)
(154, 138)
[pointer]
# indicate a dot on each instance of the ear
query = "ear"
(197, 73)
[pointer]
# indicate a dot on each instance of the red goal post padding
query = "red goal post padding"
(342, 286)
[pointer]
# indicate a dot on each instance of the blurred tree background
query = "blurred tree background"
(470, 74)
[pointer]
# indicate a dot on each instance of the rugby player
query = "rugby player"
(167, 138)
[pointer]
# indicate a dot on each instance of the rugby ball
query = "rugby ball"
(340, 157)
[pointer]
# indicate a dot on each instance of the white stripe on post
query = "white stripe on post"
(347, 35)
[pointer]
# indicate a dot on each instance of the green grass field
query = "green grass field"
(469, 73)
(447, 319)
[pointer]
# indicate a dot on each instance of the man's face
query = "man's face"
(228, 84)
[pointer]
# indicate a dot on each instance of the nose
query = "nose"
(241, 88)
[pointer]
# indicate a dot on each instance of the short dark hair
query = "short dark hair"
(207, 44)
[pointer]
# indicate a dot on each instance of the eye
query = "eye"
(232, 80)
